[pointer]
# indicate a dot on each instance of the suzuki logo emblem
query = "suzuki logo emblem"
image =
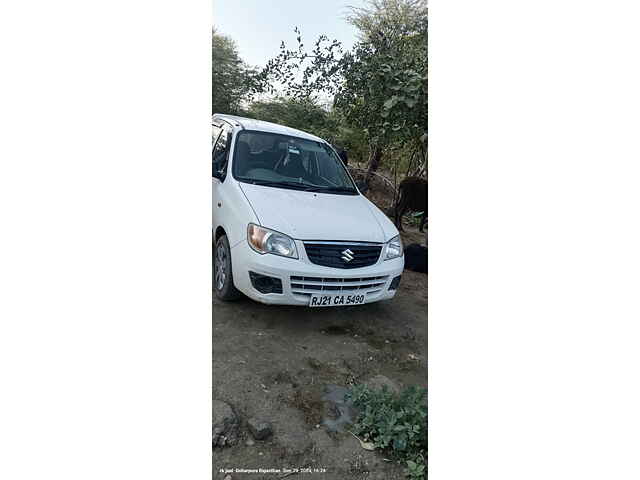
(347, 255)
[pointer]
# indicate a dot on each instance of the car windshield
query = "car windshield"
(282, 161)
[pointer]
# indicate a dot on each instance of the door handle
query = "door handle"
(219, 204)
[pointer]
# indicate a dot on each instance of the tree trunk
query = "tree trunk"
(413, 154)
(374, 163)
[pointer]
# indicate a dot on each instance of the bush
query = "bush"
(397, 423)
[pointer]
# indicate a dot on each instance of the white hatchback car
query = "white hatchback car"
(290, 225)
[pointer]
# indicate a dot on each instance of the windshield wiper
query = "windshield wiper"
(305, 187)
(295, 185)
(339, 190)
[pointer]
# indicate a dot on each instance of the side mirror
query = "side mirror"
(362, 186)
(219, 174)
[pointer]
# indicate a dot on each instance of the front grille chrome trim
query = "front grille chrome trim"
(308, 285)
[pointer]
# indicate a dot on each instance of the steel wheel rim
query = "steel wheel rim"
(221, 267)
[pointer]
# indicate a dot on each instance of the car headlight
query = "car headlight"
(263, 240)
(394, 248)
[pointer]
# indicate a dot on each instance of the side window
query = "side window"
(221, 151)
(215, 133)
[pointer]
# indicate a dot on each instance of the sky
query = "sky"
(259, 26)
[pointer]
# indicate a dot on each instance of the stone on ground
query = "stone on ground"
(225, 425)
(260, 429)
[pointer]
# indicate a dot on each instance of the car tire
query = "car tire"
(223, 272)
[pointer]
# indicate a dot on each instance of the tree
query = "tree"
(385, 76)
(300, 113)
(380, 86)
(232, 78)
(396, 17)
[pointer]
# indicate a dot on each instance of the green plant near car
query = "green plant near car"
(396, 423)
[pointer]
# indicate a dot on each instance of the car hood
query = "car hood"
(318, 216)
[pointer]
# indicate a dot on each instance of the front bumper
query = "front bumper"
(300, 278)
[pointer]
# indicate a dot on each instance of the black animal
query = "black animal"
(415, 258)
(413, 196)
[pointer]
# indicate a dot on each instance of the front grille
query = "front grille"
(309, 285)
(331, 254)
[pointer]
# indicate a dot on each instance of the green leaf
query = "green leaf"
(391, 102)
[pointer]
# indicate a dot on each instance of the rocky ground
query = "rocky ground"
(271, 369)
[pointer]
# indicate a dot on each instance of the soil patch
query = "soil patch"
(273, 363)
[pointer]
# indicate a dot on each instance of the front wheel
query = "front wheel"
(222, 271)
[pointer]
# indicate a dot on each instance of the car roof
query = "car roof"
(262, 126)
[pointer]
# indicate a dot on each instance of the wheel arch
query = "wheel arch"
(220, 232)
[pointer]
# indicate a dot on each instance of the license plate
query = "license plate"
(338, 300)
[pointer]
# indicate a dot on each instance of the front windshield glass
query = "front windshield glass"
(282, 161)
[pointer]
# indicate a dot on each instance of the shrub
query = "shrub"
(396, 423)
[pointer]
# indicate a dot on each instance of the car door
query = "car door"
(219, 161)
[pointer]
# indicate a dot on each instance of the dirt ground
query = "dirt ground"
(273, 363)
